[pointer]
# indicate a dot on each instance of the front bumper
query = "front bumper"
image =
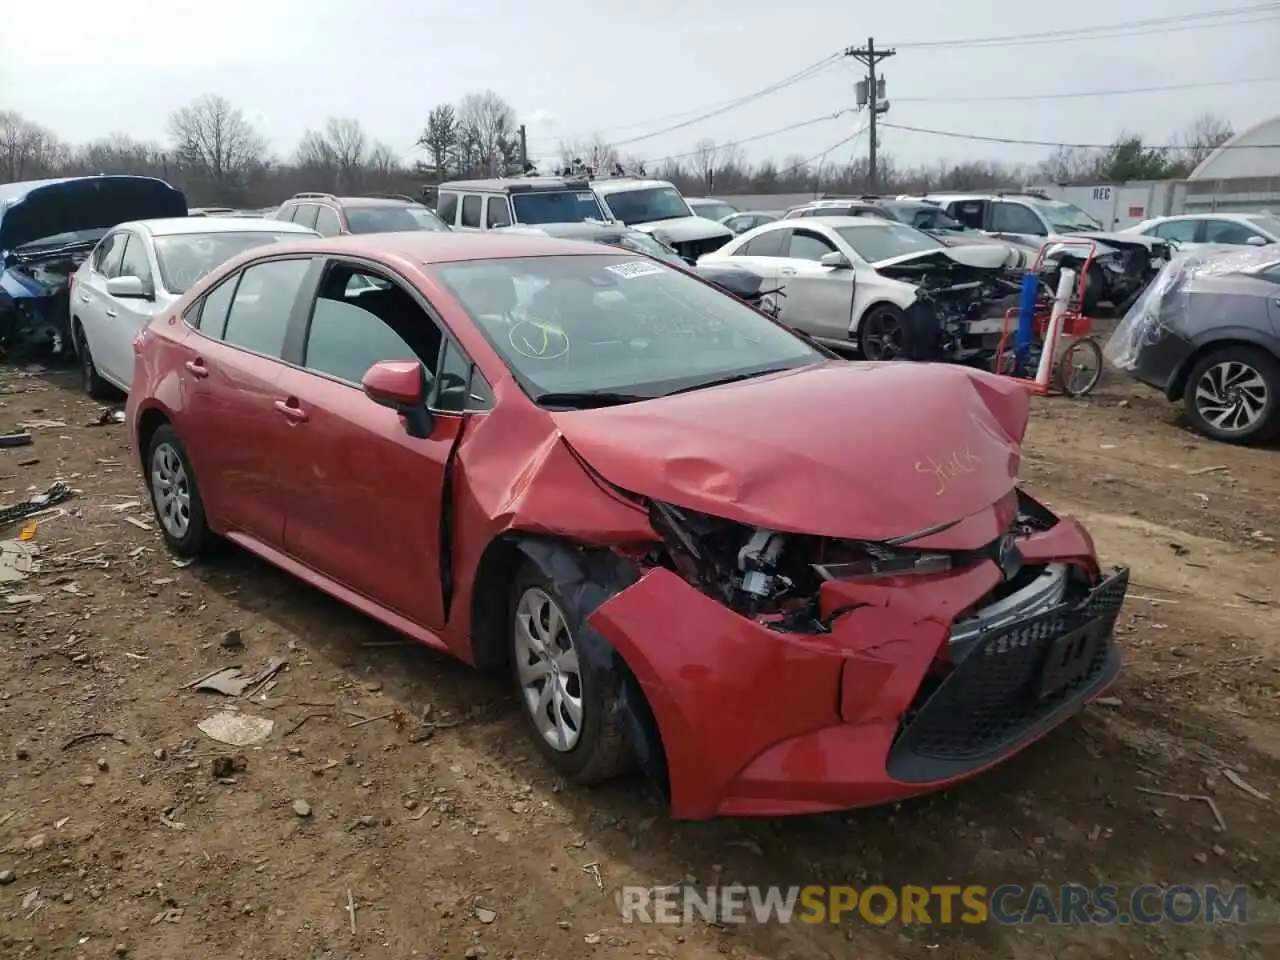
(757, 722)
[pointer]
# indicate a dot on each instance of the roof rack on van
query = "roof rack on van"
(311, 195)
(1038, 194)
(390, 196)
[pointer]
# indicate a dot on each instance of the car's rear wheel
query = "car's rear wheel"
(175, 496)
(880, 333)
(570, 703)
(94, 385)
(1233, 395)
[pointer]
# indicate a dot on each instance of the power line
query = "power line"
(817, 157)
(1189, 21)
(1089, 93)
(759, 136)
(1074, 146)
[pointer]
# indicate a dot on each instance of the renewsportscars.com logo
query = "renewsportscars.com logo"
(1008, 904)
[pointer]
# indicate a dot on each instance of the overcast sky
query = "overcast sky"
(86, 69)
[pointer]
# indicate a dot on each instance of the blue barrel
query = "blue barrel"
(1027, 313)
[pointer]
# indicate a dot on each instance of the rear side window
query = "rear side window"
(135, 262)
(447, 208)
(327, 224)
(286, 213)
(496, 212)
(306, 215)
(264, 298)
(471, 211)
(211, 319)
(108, 253)
(768, 244)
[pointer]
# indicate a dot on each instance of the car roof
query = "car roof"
(832, 222)
(174, 226)
(517, 184)
(617, 184)
(430, 246)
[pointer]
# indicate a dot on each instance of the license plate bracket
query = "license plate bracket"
(1070, 656)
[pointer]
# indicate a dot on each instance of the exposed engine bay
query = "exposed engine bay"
(1116, 268)
(775, 578)
(35, 317)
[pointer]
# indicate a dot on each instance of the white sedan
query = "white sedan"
(1198, 229)
(141, 268)
(832, 272)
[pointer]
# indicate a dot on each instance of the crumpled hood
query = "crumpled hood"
(982, 258)
(31, 211)
(684, 229)
(866, 451)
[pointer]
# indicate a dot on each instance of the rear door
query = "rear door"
(125, 317)
(762, 255)
(819, 299)
(364, 498)
(236, 436)
(497, 212)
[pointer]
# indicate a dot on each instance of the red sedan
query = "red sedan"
(777, 581)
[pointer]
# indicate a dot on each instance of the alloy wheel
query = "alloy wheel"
(881, 338)
(1231, 396)
(171, 490)
(548, 670)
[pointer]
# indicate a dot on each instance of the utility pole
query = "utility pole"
(524, 148)
(871, 95)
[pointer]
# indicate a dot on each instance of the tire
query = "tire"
(1068, 386)
(1246, 381)
(94, 385)
(1094, 289)
(599, 750)
(872, 332)
(167, 459)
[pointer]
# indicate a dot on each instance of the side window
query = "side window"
(106, 256)
(496, 212)
(287, 212)
(264, 298)
(836, 212)
(357, 323)
(969, 212)
(134, 263)
(460, 387)
(1009, 217)
(447, 208)
(1179, 231)
(1227, 231)
(471, 211)
(809, 246)
(211, 318)
(768, 244)
(306, 215)
(327, 222)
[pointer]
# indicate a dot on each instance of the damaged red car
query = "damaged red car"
(777, 581)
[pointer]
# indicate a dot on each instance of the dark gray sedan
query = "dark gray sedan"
(1207, 331)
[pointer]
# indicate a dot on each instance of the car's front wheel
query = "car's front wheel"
(96, 387)
(569, 703)
(1233, 395)
(880, 333)
(175, 497)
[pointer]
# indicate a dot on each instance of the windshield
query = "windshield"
(712, 209)
(925, 216)
(391, 219)
(1065, 217)
(880, 240)
(616, 324)
(186, 257)
(57, 241)
(556, 206)
(651, 246)
(1268, 222)
(648, 205)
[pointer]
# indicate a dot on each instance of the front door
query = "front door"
(124, 318)
(819, 299)
(365, 498)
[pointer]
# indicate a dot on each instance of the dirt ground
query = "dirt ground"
(451, 837)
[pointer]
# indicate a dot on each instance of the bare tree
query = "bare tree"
(704, 164)
(216, 143)
(349, 143)
(1070, 165)
(1204, 135)
(596, 155)
(440, 138)
(120, 153)
(315, 153)
(27, 150)
(490, 124)
(382, 161)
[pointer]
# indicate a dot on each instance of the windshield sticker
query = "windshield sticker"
(586, 196)
(634, 268)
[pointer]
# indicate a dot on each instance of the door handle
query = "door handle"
(84, 298)
(112, 313)
(787, 272)
(197, 368)
(292, 411)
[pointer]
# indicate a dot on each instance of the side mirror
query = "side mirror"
(1256, 241)
(402, 386)
(130, 288)
(836, 260)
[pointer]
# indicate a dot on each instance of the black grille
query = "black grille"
(1005, 689)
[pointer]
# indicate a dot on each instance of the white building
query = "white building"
(1242, 174)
